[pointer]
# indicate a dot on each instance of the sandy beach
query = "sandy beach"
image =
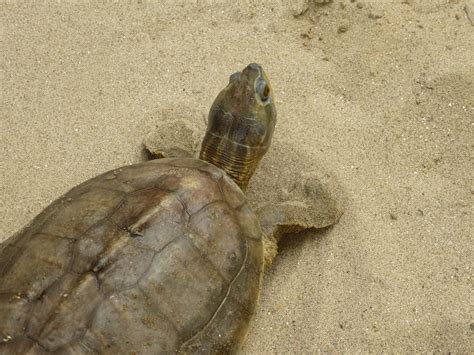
(378, 94)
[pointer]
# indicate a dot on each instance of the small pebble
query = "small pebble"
(342, 29)
(374, 16)
(298, 7)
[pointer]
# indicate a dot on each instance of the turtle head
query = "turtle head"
(249, 99)
(241, 124)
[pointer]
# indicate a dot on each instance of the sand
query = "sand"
(379, 94)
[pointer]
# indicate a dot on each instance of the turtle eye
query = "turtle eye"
(234, 77)
(263, 90)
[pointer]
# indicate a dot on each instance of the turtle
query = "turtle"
(162, 256)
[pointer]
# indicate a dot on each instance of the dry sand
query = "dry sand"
(380, 94)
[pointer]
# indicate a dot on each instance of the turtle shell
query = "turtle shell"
(163, 256)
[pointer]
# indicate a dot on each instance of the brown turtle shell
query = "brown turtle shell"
(159, 257)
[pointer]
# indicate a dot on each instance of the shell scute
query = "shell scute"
(127, 315)
(93, 246)
(232, 193)
(216, 174)
(18, 277)
(49, 302)
(155, 173)
(125, 266)
(160, 224)
(221, 335)
(219, 237)
(80, 211)
(245, 288)
(248, 222)
(197, 191)
(72, 309)
(136, 205)
(183, 286)
(13, 303)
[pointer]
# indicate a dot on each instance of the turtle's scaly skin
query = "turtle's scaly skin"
(240, 125)
(163, 256)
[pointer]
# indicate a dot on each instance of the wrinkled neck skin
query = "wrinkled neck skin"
(237, 160)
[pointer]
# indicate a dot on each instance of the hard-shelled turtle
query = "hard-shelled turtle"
(164, 256)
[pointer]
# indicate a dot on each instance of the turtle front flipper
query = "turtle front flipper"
(175, 138)
(311, 204)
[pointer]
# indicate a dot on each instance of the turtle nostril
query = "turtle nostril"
(254, 66)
